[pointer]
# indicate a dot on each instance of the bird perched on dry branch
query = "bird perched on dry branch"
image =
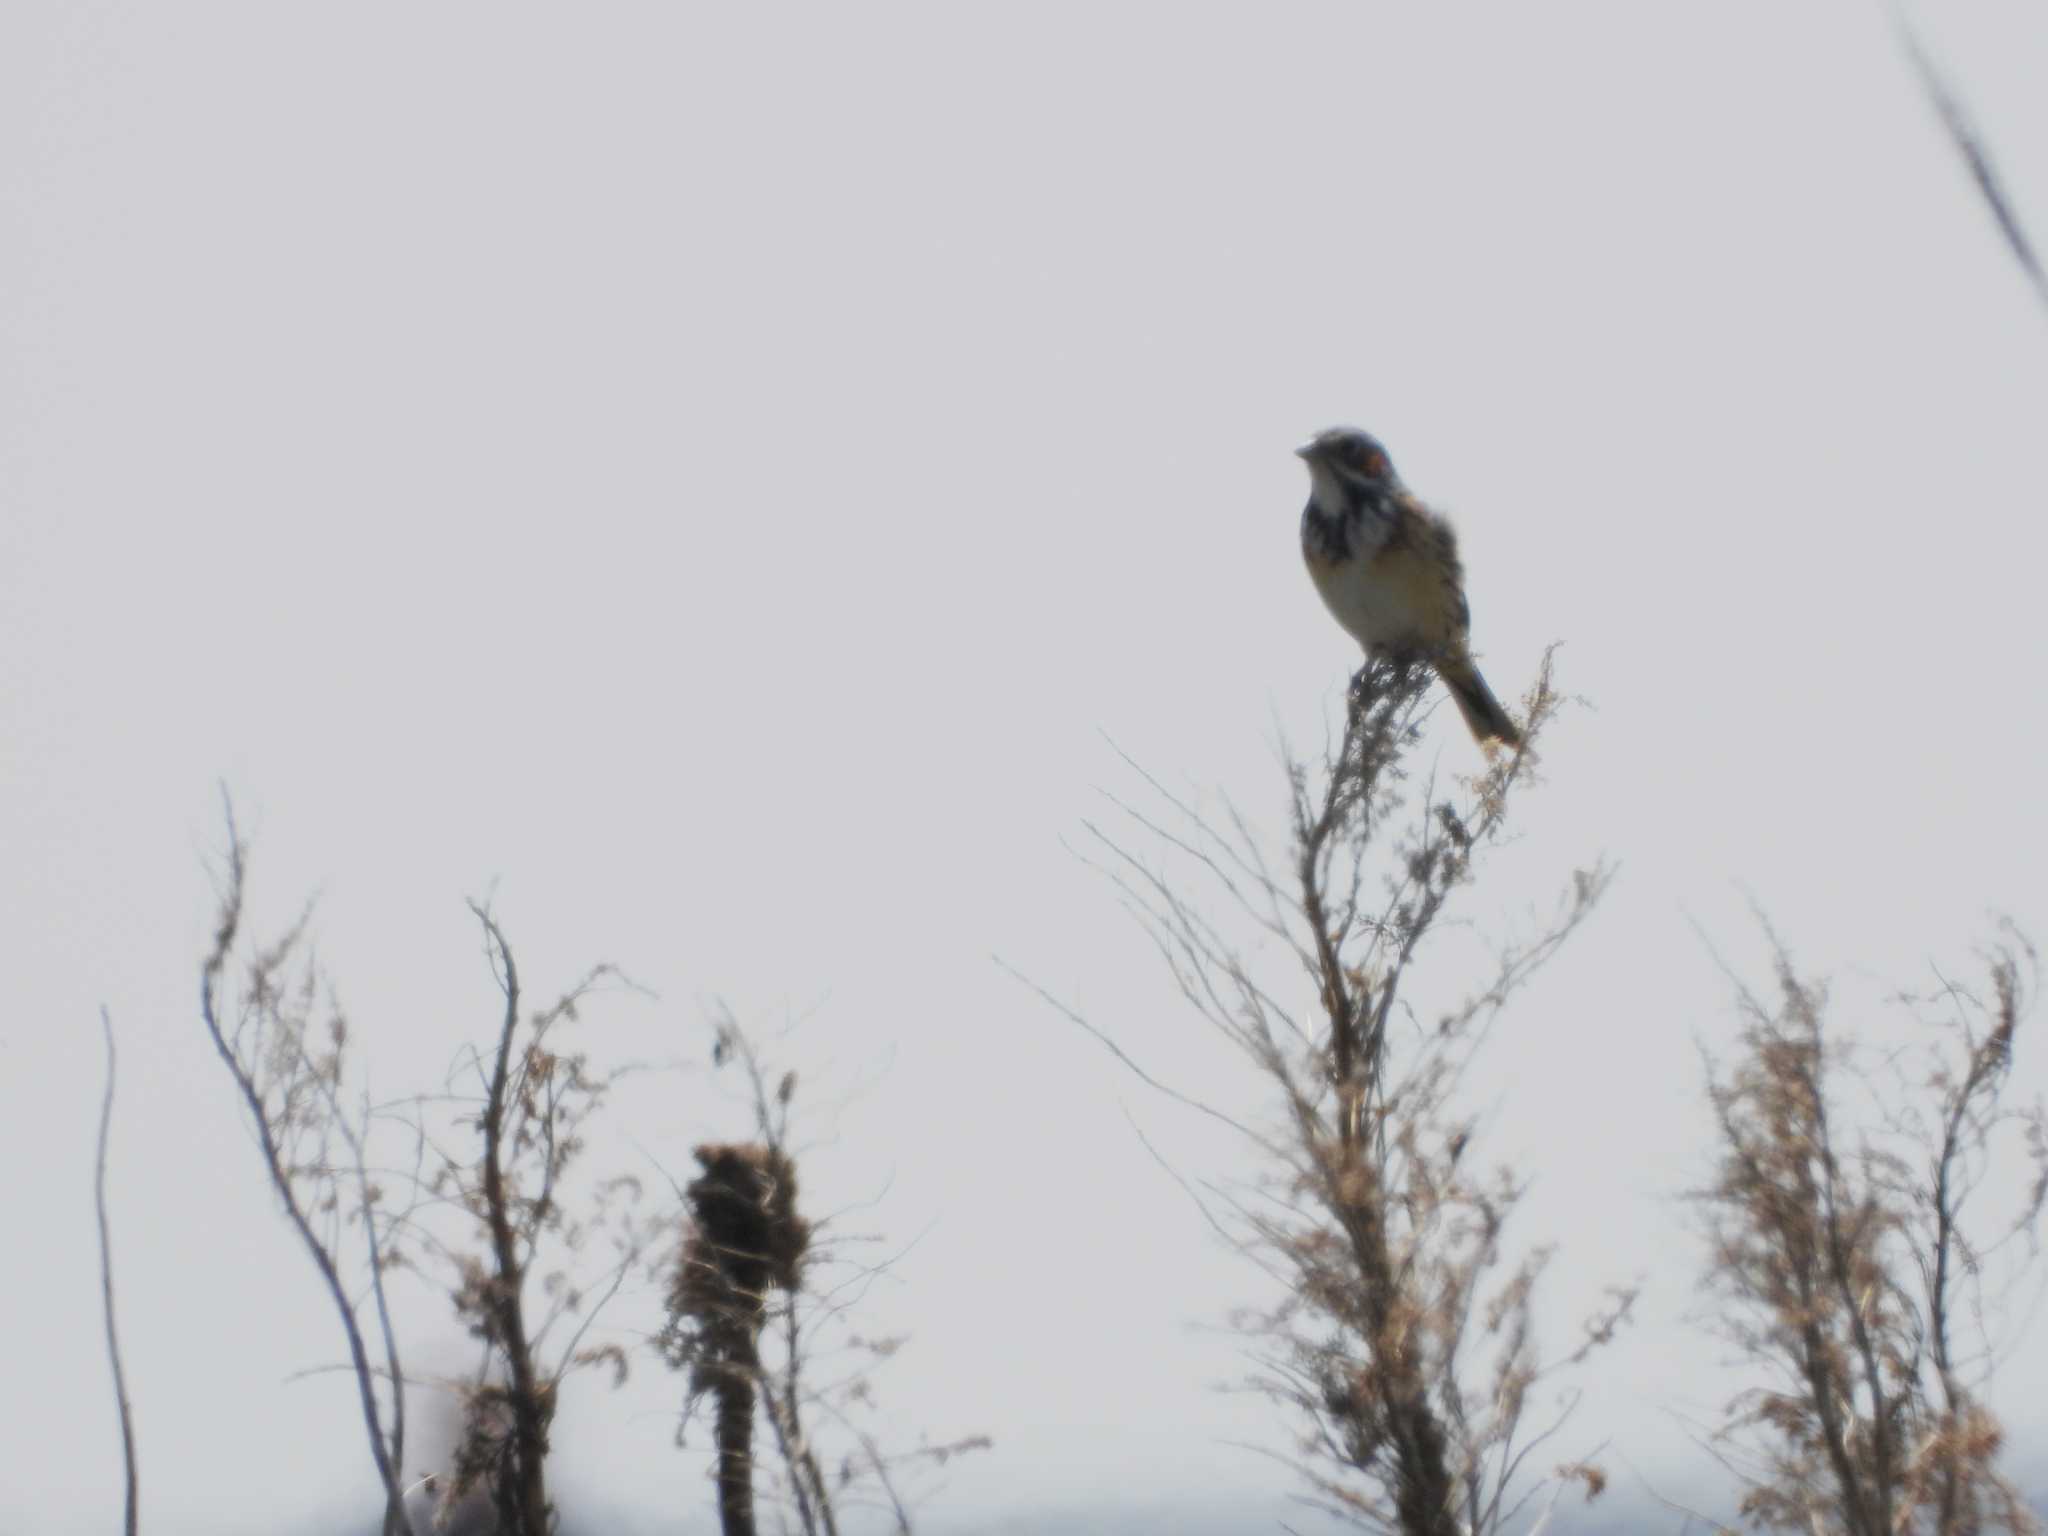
(1388, 570)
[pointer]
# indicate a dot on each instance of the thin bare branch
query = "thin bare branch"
(1976, 154)
(129, 1481)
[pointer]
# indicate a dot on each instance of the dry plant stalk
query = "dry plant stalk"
(747, 1238)
(1371, 1213)
(744, 1240)
(1844, 1266)
(746, 1271)
(283, 1038)
(530, 1128)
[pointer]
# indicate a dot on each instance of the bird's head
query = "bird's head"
(1347, 466)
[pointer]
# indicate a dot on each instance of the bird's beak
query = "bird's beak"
(1306, 451)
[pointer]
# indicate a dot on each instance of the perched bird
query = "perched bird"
(1387, 568)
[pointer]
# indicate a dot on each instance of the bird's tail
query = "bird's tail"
(1475, 701)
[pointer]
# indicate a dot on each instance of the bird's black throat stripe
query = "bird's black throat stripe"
(1331, 539)
(1324, 538)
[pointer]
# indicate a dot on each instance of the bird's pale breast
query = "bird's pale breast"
(1394, 599)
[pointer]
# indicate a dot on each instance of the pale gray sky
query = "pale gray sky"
(720, 472)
